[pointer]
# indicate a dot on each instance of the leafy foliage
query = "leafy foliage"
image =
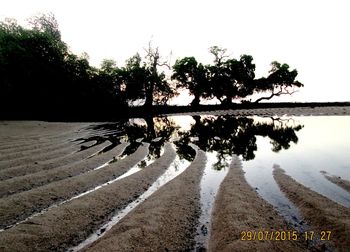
(229, 78)
(41, 77)
(193, 76)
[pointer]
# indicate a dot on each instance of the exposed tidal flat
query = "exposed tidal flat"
(63, 186)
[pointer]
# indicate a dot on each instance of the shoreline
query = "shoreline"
(165, 110)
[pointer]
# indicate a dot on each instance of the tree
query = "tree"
(157, 88)
(226, 79)
(135, 77)
(143, 79)
(191, 75)
(46, 23)
(40, 77)
(280, 81)
(32, 61)
(230, 79)
(219, 54)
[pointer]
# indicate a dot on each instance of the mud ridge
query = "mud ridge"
(343, 183)
(238, 208)
(19, 206)
(66, 225)
(34, 180)
(22, 170)
(166, 221)
(322, 213)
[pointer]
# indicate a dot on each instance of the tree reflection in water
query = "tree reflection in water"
(229, 135)
(155, 131)
(225, 135)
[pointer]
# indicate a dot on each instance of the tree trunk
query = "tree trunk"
(227, 101)
(152, 83)
(195, 101)
(149, 96)
(151, 133)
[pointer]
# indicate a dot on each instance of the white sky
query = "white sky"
(310, 35)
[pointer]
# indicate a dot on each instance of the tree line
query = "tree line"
(41, 77)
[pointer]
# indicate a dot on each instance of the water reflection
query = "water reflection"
(302, 146)
(225, 135)
(230, 136)
(155, 131)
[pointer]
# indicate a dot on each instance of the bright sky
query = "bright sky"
(310, 35)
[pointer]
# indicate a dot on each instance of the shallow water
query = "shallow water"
(301, 145)
(324, 144)
(210, 184)
(175, 169)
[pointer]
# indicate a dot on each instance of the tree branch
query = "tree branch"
(280, 92)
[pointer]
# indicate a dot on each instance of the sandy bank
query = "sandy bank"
(19, 206)
(65, 226)
(238, 208)
(31, 181)
(322, 214)
(165, 221)
(35, 167)
(343, 183)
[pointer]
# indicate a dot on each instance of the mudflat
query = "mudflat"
(54, 194)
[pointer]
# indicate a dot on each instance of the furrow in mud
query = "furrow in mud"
(70, 223)
(35, 153)
(19, 206)
(25, 169)
(31, 181)
(35, 148)
(26, 139)
(343, 183)
(323, 214)
(238, 208)
(166, 221)
(28, 143)
(59, 151)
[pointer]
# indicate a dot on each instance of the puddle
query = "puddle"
(175, 169)
(210, 184)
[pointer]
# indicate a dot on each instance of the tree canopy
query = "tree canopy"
(39, 75)
(228, 78)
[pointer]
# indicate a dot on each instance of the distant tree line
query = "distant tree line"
(40, 77)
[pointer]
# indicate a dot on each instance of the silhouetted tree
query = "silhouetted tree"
(32, 64)
(229, 78)
(143, 80)
(193, 76)
(281, 81)
(157, 88)
(134, 78)
(40, 77)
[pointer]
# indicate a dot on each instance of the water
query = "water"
(210, 184)
(175, 169)
(324, 144)
(301, 145)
